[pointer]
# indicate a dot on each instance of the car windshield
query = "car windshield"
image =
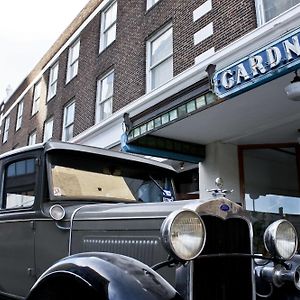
(109, 180)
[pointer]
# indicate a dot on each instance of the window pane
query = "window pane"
(110, 16)
(20, 167)
(70, 110)
(37, 91)
(30, 166)
(69, 132)
(273, 8)
(75, 52)
(162, 47)
(162, 73)
(32, 139)
(110, 35)
(106, 109)
(107, 87)
(48, 130)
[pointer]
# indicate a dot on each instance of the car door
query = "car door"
(17, 215)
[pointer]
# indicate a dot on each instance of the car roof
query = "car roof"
(51, 146)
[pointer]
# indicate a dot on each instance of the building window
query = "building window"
(68, 125)
(36, 98)
(73, 60)
(160, 58)
(269, 9)
(19, 115)
(105, 87)
(150, 3)
(6, 129)
(53, 81)
(32, 138)
(48, 130)
(108, 26)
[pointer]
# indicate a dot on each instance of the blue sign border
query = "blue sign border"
(281, 69)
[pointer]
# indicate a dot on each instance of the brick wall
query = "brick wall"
(127, 56)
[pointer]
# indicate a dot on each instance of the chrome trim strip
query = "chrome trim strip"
(71, 226)
(122, 218)
(24, 220)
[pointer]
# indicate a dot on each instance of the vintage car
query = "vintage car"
(79, 222)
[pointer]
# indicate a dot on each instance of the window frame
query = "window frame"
(46, 123)
(65, 118)
(103, 31)
(151, 3)
(6, 129)
(260, 12)
(36, 96)
(19, 117)
(99, 101)
(52, 84)
(149, 66)
(73, 63)
(4, 193)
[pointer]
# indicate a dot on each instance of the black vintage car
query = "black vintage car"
(78, 222)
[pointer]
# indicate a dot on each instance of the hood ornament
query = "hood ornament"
(219, 191)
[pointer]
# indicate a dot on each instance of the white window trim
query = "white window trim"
(71, 63)
(260, 15)
(32, 138)
(150, 4)
(103, 44)
(36, 98)
(99, 101)
(19, 115)
(148, 58)
(65, 126)
(6, 129)
(47, 123)
(52, 82)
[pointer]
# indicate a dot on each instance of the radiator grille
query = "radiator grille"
(143, 249)
(224, 278)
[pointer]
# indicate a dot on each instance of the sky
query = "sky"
(27, 30)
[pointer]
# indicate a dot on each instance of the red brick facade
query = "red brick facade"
(126, 55)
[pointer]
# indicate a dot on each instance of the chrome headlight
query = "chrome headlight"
(281, 239)
(183, 234)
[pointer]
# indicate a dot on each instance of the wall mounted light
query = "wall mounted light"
(293, 89)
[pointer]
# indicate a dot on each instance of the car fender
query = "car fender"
(102, 275)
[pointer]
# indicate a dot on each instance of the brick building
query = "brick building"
(158, 62)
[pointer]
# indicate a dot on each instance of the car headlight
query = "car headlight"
(183, 234)
(281, 239)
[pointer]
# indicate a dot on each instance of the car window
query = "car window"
(19, 184)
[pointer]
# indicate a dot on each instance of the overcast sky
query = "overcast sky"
(27, 30)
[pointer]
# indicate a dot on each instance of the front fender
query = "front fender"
(103, 276)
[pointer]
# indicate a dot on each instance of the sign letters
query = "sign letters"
(262, 66)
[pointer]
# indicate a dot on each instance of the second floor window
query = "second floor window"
(32, 138)
(48, 130)
(36, 97)
(68, 123)
(269, 9)
(160, 58)
(53, 81)
(108, 26)
(6, 129)
(19, 115)
(105, 87)
(73, 60)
